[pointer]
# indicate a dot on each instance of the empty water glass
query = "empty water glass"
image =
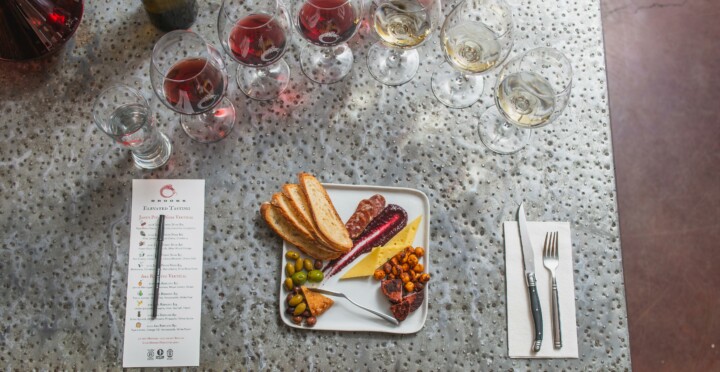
(124, 114)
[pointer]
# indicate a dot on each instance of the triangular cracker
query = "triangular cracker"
(317, 302)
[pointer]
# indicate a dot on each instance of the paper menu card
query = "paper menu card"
(519, 317)
(173, 337)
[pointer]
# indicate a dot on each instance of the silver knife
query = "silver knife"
(529, 263)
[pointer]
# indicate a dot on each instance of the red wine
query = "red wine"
(35, 28)
(257, 40)
(194, 85)
(327, 22)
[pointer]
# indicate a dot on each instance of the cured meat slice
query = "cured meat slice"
(400, 311)
(392, 289)
(408, 304)
(366, 210)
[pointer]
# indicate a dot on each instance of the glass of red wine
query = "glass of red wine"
(327, 24)
(189, 76)
(255, 33)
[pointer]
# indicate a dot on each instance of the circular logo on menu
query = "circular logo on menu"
(167, 191)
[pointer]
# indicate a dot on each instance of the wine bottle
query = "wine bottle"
(169, 15)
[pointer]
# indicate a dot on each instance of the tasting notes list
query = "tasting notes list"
(173, 337)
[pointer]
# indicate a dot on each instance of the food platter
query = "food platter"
(344, 316)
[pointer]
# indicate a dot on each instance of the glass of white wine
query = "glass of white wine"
(476, 37)
(402, 26)
(532, 91)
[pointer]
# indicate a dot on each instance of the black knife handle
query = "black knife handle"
(536, 311)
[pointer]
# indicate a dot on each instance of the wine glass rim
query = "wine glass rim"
(423, 7)
(206, 60)
(275, 14)
(312, 2)
(100, 122)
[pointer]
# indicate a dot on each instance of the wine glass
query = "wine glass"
(255, 33)
(124, 114)
(532, 91)
(402, 26)
(476, 37)
(327, 24)
(188, 75)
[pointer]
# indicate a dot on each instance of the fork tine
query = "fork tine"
(555, 245)
(545, 245)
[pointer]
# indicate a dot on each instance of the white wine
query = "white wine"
(526, 99)
(402, 23)
(472, 47)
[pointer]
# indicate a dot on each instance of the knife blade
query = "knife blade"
(529, 265)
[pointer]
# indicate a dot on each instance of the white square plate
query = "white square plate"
(344, 316)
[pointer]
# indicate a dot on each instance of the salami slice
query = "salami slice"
(400, 311)
(392, 289)
(366, 210)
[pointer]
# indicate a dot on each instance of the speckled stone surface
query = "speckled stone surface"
(65, 189)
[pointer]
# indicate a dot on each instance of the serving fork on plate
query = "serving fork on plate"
(339, 294)
(550, 261)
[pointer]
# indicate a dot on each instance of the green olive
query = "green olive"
(315, 276)
(308, 265)
(292, 255)
(297, 299)
(289, 284)
(299, 265)
(299, 278)
(290, 268)
(299, 309)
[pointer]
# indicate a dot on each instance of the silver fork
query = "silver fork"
(550, 261)
(338, 294)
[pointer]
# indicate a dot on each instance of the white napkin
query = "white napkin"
(519, 317)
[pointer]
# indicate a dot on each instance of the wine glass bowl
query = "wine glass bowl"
(255, 34)
(189, 77)
(327, 24)
(402, 26)
(532, 91)
(476, 37)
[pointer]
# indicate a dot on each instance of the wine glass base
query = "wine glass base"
(326, 65)
(264, 83)
(392, 66)
(156, 158)
(500, 136)
(455, 89)
(211, 126)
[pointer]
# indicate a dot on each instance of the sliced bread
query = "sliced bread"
(277, 221)
(329, 224)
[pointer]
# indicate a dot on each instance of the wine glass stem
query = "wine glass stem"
(394, 58)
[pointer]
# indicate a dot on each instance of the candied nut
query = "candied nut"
(409, 249)
(405, 267)
(419, 287)
(413, 274)
(419, 268)
(419, 251)
(379, 274)
(405, 277)
(394, 261)
(409, 286)
(424, 278)
(412, 260)
(405, 258)
(395, 270)
(391, 276)
(387, 267)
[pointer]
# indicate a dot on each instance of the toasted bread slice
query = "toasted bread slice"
(277, 221)
(329, 224)
(281, 201)
(300, 203)
(317, 302)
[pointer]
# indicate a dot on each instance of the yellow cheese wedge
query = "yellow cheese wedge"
(379, 255)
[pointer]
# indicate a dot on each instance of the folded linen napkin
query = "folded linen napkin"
(519, 317)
